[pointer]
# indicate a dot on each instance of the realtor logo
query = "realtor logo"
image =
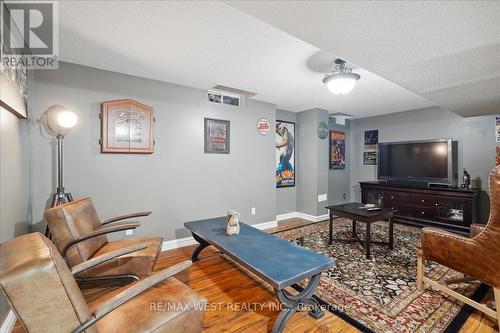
(29, 33)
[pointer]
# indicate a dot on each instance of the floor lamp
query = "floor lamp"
(58, 121)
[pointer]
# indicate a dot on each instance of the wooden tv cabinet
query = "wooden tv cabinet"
(424, 206)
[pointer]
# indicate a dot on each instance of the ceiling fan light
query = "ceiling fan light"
(341, 83)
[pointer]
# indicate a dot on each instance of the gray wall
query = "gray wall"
(475, 136)
(14, 181)
(339, 180)
(178, 182)
(286, 197)
(312, 163)
(322, 166)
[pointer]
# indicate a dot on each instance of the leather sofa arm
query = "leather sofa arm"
(108, 256)
(100, 232)
(131, 292)
(476, 229)
(126, 216)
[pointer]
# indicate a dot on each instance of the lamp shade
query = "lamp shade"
(58, 120)
(341, 83)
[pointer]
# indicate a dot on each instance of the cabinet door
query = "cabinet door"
(454, 210)
(373, 197)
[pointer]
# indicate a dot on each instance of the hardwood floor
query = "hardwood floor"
(237, 296)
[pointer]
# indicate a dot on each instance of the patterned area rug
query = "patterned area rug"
(380, 294)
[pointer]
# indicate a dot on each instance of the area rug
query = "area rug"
(380, 294)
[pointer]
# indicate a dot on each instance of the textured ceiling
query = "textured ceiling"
(445, 51)
(203, 44)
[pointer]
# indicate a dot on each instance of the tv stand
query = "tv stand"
(452, 208)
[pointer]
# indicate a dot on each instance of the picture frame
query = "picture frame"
(13, 79)
(370, 158)
(127, 127)
(371, 139)
(285, 154)
(217, 134)
(337, 150)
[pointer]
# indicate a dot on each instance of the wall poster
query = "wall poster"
(337, 150)
(371, 139)
(217, 136)
(370, 158)
(497, 139)
(285, 154)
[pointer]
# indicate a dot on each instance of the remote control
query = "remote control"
(373, 209)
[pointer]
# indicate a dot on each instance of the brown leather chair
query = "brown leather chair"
(45, 297)
(478, 257)
(80, 235)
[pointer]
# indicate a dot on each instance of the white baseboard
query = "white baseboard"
(303, 216)
(266, 225)
(8, 323)
(177, 243)
(286, 216)
(187, 241)
(312, 218)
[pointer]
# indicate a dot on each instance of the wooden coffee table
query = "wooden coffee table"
(353, 212)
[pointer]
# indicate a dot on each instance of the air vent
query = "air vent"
(235, 91)
(223, 97)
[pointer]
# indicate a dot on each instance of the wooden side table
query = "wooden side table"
(352, 211)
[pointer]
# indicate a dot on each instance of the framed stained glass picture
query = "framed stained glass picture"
(127, 126)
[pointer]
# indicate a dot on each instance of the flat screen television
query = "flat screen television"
(430, 162)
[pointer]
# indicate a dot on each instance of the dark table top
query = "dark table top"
(352, 210)
(277, 261)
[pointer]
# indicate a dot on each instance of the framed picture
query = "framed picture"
(371, 139)
(337, 150)
(370, 158)
(127, 126)
(13, 78)
(217, 133)
(285, 154)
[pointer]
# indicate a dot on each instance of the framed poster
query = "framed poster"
(127, 127)
(497, 128)
(337, 150)
(285, 154)
(13, 77)
(217, 136)
(370, 158)
(371, 139)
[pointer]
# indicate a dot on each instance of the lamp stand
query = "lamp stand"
(60, 197)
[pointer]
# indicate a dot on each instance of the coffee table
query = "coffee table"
(276, 261)
(353, 212)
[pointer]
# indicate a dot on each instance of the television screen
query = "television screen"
(414, 160)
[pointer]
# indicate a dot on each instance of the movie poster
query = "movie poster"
(337, 150)
(371, 139)
(285, 154)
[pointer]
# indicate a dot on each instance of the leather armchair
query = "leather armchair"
(45, 297)
(80, 235)
(477, 257)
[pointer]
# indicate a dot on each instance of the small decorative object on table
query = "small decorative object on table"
(466, 179)
(233, 222)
